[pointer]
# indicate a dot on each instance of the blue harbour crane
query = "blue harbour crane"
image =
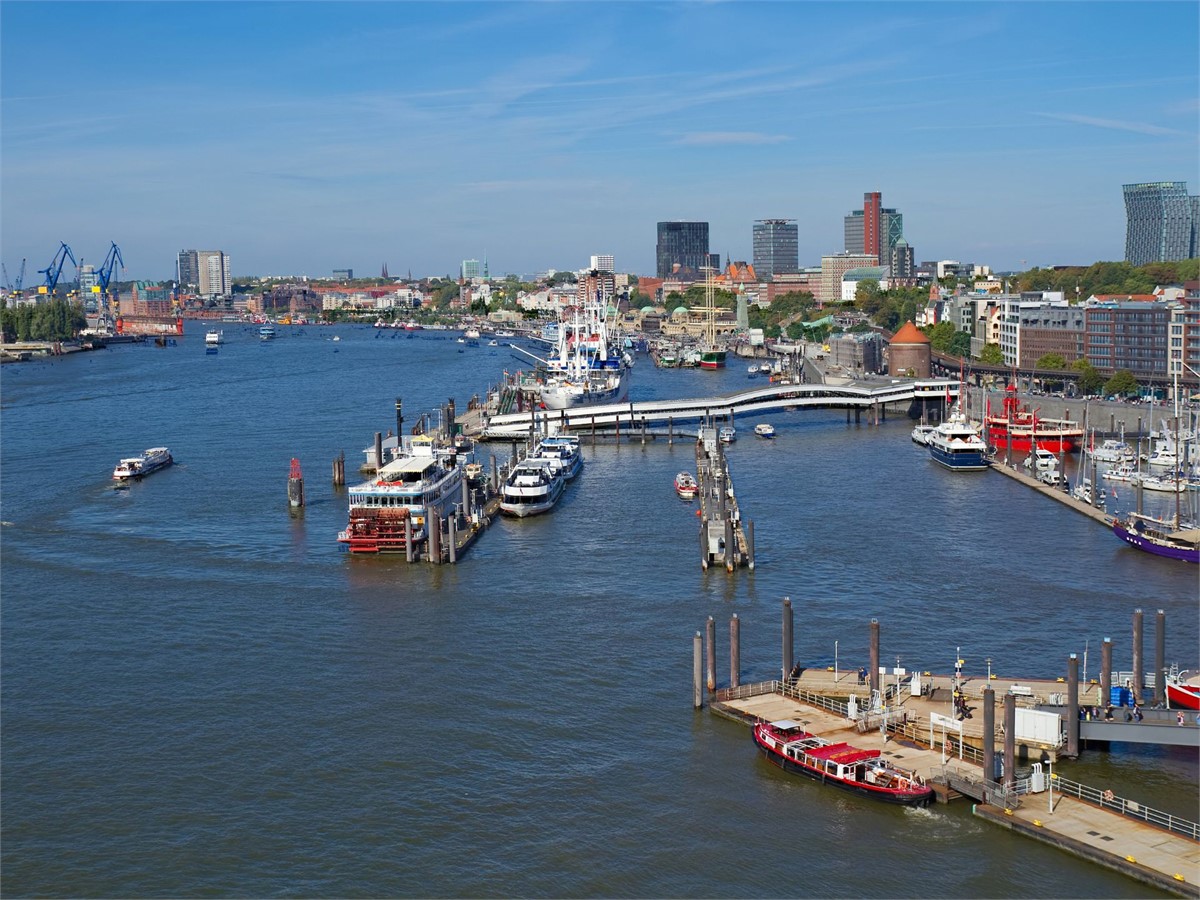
(14, 287)
(54, 270)
(105, 273)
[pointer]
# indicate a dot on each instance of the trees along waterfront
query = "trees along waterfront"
(56, 320)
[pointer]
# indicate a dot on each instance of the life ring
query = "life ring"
(1108, 796)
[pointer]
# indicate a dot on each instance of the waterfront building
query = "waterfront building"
(1183, 350)
(1018, 312)
(909, 353)
(595, 284)
(1128, 331)
(776, 246)
(682, 250)
(603, 263)
(149, 298)
(1161, 222)
(207, 272)
(805, 280)
(833, 268)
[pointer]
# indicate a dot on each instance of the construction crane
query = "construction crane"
(14, 287)
(54, 270)
(104, 275)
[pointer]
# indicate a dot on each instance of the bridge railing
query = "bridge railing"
(1129, 808)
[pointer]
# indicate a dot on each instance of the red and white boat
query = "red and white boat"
(1183, 694)
(1020, 427)
(866, 772)
(685, 486)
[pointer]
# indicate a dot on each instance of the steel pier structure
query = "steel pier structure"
(856, 395)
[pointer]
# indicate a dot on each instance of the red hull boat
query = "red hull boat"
(1019, 427)
(1182, 695)
(866, 772)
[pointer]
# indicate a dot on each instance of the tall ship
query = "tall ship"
(587, 366)
(1019, 427)
(392, 508)
(711, 355)
(956, 444)
(1159, 537)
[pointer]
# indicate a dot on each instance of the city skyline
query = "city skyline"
(415, 135)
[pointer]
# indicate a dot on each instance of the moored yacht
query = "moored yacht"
(532, 488)
(563, 451)
(956, 444)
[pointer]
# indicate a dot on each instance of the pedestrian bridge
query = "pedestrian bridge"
(1158, 726)
(857, 395)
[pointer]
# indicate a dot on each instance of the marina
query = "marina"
(265, 619)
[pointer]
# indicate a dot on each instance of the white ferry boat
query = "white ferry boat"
(395, 504)
(564, 452)
(136, 466)
(764, 430)
(266, 333)
(214, 338)
(532, 488)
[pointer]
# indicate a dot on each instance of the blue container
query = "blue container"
(1120, 696)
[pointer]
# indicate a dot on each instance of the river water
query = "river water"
(203, 695)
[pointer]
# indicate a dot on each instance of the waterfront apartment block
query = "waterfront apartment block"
(775, 246)
(595, 284)
(1183, 350)
(206, 272)
(1161, 222)
(682, 250)
(1127, 332)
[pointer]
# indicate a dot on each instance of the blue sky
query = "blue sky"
(304, 137)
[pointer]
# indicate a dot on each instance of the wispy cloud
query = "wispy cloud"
(1112, 124)
(709, 138)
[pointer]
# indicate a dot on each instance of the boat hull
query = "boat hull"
(958, 460)
(712, 359)
(1157, 546)
(1056, 444)
(912, 798)
(1183, 696)
(573, 397)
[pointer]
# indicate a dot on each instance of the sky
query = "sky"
(302, 137)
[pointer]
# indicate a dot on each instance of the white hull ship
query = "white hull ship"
(532, 488)
(136, 466)
(394, 507)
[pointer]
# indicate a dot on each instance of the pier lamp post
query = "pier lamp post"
(989, 664)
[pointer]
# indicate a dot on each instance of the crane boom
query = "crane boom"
(54, 270)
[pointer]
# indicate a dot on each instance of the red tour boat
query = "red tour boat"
(1019, 427)
(793, 749)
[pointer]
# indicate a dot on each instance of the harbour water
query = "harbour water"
(203, 695)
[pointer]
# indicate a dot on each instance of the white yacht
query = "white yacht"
(533, 487)
(956, 444)
(564, 452)
(136, 466)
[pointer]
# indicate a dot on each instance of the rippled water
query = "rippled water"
(203, 695)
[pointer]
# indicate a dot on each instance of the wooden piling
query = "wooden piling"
(1137, 656)
(750, 543)
(495, 474)
(643, 431)
(710, 654)
(670, 430)
(697, 674)
(452, 536)
(466, 499)
(1160, 657)
(735, 651)
(989, 734)
(730, 547)
(1010, 740)
(788, 643)
(339, 470)
(409, 551)
(1072, 707)
(433, 540)
(703, 543)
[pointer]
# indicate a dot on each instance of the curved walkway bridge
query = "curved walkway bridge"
(873, 395)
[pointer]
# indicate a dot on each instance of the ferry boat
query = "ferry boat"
(423, 478)
(214, 338)
(532, 488)
(1159, 537)
(1019, 427)
(764, 430)
(136, 466)
(266, 332)
(727, 434)
(563, 451)
(686, 486)
(956, 444)
(786, 744)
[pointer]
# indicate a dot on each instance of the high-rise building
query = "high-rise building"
(206, 271)
(1161, 222)
(602, 263)
(682, 244)
(469, 269)
(872, 206)
(775, 246)
(887, 226)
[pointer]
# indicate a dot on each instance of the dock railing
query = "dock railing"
(1129, 808)
(981, 789)
(741, 692)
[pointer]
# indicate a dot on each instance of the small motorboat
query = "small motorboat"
(727, 434)
(686, 486)
(921, 433)
(764, 430)
(752, 370)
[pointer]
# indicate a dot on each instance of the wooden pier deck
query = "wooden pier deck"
(724, 538)
(1149, 854)
(1058, 494)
